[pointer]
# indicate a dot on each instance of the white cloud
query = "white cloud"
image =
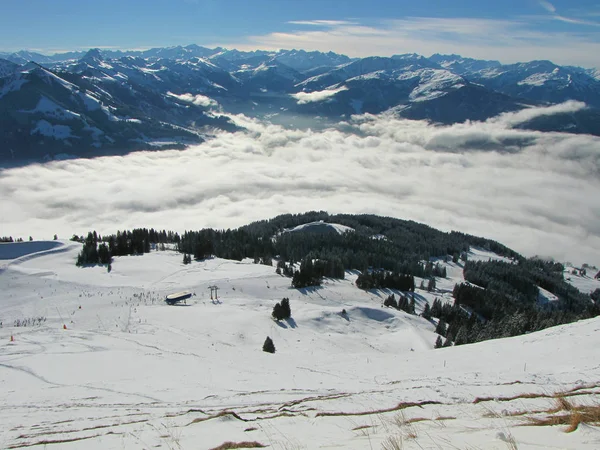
(525, 115)
(553, 14)
(199, 100)
(321, 23)
(536, 192)
(547, 6)
(317, 96)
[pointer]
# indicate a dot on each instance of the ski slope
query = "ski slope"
(112, 366)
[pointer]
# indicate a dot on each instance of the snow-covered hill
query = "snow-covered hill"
(101, 107)
(320, 227)
(104, 363)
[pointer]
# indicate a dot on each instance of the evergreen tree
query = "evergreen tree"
(426, 314)
(391, 301)
(461, 336)
(431, 284)
(277, 314)
(286, 311)
(268, 346)
(282, 310)
(438, 342)
(103, 254)
(441, 328)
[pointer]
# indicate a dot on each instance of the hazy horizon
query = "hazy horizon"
(510, 31)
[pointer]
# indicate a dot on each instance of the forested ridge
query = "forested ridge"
(498, 299)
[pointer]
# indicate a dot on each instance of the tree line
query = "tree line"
(501, 299)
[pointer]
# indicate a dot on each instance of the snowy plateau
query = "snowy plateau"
(104, 363)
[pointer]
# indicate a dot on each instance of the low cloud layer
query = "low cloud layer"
(317, 96)
(199, 99)
(536, 192)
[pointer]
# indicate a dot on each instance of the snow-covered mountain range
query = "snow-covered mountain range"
(102, 102)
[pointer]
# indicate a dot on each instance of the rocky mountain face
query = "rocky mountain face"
(111, 102)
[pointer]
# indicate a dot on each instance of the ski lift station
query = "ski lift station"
(173, 299)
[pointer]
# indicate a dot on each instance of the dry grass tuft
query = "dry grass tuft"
(566, 413)
(392, 443)
(406, 425)
(230, 445)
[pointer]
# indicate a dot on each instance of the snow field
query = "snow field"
(131, 372)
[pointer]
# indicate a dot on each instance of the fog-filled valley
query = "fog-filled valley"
(533, 191)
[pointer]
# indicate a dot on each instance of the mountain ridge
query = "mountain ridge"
(170, 97)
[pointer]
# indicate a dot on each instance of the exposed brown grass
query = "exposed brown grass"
(216, 416)
(313, 399)
(416, 419)
(445, 418)
(230, 445)
(96, 427)
(398, 407)
(576, 391)
(566, 413)
(510, 399)
(55, 441)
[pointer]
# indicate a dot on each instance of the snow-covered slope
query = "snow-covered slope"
(104, 363)
(7, 68)
(533, 80)
(320, 227)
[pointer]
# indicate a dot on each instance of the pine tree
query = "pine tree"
(391, 301)
(269, 346)
(277, 312)
(441, 328)
(426, 312)
(431, 284)
(411, 306)
(461, 337)
(286, 311)
(104, 256)
(438, 342)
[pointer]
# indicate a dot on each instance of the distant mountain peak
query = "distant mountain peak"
(93, 54)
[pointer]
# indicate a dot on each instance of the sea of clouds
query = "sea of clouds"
(538, 193)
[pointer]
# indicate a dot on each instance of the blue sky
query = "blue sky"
(566, 32)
